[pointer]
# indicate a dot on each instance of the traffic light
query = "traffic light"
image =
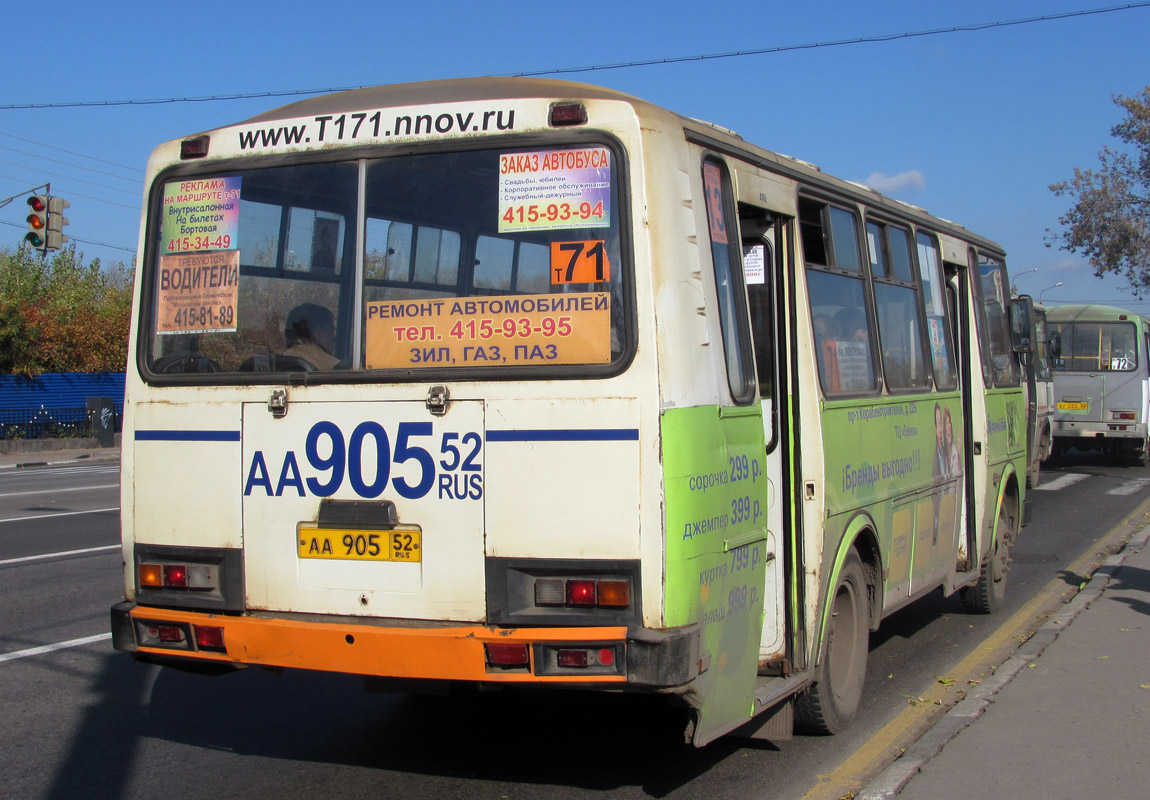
(56, 222)
(37, 235)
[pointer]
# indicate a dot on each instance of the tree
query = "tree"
(59, 315)
(1109, 222)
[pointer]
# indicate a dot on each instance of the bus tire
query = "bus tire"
(988, 594)
(832, 700)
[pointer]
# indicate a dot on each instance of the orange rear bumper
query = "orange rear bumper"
(440, 653)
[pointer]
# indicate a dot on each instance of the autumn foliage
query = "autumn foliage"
(1109, 222)
(59, 315)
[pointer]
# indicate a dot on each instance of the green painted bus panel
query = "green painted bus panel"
(1006, 425)
(901, 461)
(884, 449)
(715, 483)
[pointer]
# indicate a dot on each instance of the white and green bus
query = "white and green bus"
(535, 384)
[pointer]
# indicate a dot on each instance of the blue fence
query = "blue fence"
(55, 405)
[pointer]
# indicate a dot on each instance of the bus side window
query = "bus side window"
(896, 299)
(940, 316)
(836, 286)
(726, 256)
(993, 289)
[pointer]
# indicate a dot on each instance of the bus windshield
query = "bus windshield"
(1096, 346)
(491, 258)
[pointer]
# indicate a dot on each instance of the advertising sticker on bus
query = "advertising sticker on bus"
(555, 189)
(201, 214)
(579, 262)
(197, 292)
(500, 331)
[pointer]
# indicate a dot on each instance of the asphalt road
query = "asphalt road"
(85, 721)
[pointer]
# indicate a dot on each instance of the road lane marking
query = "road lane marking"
(59, 491)
(61, 514)
(25, 559)
(1061, 482)
(48, 648)
(1128, 487)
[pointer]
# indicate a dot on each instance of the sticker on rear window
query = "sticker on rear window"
(555, 189)
(507, 331)
(201, 214)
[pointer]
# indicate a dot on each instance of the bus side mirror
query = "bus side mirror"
(1054, 345)
(1020, 316)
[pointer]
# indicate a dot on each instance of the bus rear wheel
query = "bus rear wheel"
(831, 702)
(989, 593)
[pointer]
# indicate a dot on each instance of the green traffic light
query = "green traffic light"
(34, 239)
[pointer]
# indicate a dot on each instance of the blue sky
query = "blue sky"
(972, 126)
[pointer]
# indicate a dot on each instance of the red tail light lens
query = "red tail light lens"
(581, 593)
(210, 637)
(564, 114)
(169, 633)
(194, 148)
(176, 576)
(510, 654)
(571, 658)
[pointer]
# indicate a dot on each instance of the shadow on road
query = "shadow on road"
(629, 744)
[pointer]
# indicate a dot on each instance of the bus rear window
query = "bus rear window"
(482, 259)
(1095, 346)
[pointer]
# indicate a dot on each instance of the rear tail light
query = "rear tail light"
(506, 654)
(178, 576)
(169, 633)
(194, 148)
(572, 658)
(151, 576)
(210, 637)
(593, 658)
(564, 114)
(583, 592)
(180, 635)
(614, 594)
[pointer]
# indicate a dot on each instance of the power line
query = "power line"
(890, 37)
(981, 26)
(70, 152)
(70, 164)
(72, 238)
(69, 177)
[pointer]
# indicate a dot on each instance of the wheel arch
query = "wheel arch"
(859, 535)
(1008, 492)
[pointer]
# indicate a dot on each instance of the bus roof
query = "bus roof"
(703, 133)
(1075, 312)
(453, 90)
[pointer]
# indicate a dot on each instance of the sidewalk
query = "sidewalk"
(65, 455)
(1066, 717)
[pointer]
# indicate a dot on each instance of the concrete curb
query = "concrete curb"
(895, 777)
(86, 457)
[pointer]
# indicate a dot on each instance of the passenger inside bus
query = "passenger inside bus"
(309, 332)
